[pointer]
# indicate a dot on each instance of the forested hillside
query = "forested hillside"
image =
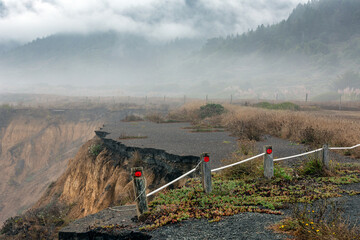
(311, 28)
(315, 50)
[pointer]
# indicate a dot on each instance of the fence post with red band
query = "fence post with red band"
(268, 162)
(205, 172)
(139, 189)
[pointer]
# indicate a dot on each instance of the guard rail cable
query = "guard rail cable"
(173, 181)
(344, 148)
(297, 155)
(233, 164)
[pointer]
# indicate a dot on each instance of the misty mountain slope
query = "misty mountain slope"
(319, 41)
(93, 59)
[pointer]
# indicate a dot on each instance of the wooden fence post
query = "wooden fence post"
(325, 155)
(205, 172)
(268, 162)
(139, 189)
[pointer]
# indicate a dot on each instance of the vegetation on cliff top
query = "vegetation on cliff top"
(244, 189)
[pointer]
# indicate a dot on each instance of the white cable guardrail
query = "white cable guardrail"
(173, 181)
(297, 155)
(344, 148)
(140, 184)
(246, 160)
(233, 164)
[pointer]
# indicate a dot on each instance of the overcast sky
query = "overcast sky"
(25, 20)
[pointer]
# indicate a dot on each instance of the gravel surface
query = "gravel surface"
(241, 226)
(249, 225)
(122, 215)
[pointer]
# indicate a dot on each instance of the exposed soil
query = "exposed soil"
(35, 145)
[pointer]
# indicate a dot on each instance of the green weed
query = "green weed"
(95, 149)
(210, 110)
(279, 106)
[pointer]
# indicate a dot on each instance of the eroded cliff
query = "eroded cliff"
(99, 175)
(35, 145)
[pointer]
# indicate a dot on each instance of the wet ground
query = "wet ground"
(174, 138)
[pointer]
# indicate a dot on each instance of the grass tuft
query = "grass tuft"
(279, 106)
(321, 221)
(314, 167)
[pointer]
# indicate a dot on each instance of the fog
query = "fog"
(133, 66)
(25, 20)
(173, 48)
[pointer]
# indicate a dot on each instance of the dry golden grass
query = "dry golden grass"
(188, 112)
(246, 148)
(315, 128)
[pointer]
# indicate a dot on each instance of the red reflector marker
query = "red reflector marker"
(206, 158)
(137, 174)
(269, 151)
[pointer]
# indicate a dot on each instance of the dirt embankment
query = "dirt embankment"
(35, 146)
(99, 175)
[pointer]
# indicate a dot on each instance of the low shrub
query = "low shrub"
(308, 135)
(314, 167)
(210, 110)
(248, 128)
(132, 118)
(155, 117)
(188, 113)
(312, 136)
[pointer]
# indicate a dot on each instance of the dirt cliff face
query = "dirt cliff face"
(99, 175)
(35, 146)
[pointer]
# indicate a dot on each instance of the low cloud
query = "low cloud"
(25, 20)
